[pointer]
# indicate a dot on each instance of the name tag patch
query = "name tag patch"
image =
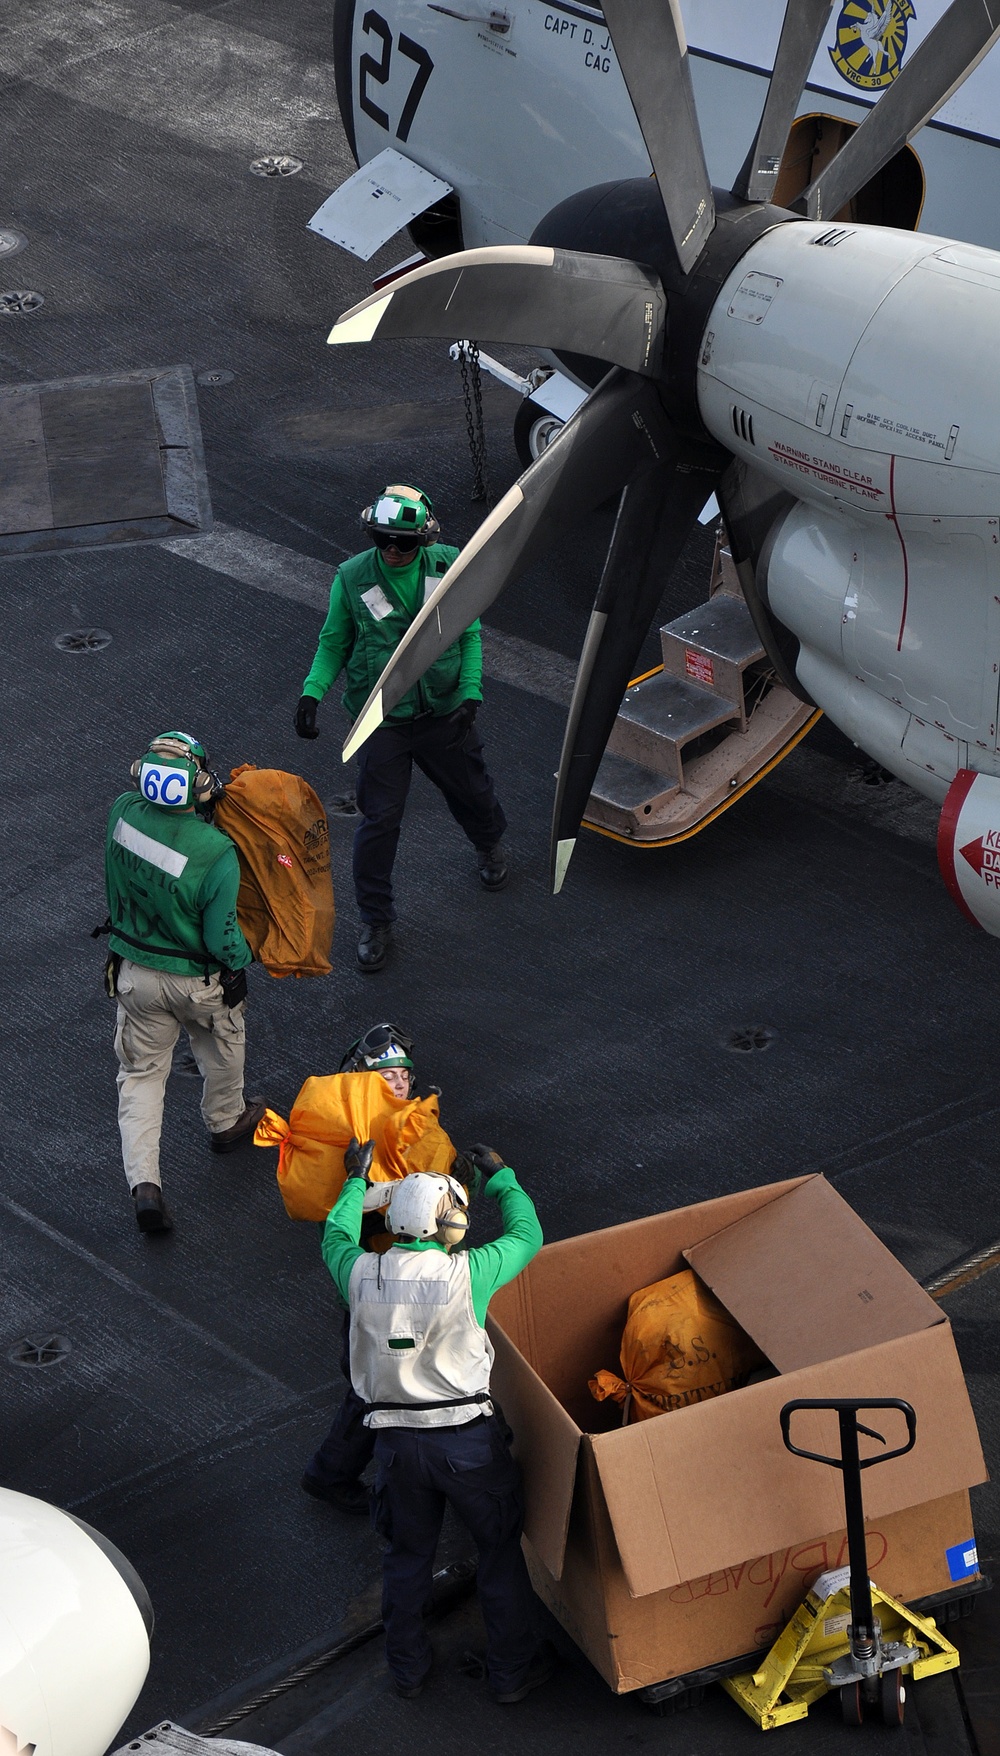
(377, 602)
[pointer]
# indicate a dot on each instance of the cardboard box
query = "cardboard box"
(689, 1539)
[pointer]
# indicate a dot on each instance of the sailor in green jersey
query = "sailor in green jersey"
(178, 958)
(373, 601)
(420, 1361)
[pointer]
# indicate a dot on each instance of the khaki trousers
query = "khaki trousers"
(152, 1008)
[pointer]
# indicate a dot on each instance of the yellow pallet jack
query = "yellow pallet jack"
(834, 1640)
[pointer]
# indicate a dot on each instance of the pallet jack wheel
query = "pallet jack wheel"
(892, 1698)
(851, 1707)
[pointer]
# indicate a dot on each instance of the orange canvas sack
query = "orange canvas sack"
(328, 1112)
(285, 905)
(680, 1346)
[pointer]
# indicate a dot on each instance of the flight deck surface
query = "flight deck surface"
(590, 1038)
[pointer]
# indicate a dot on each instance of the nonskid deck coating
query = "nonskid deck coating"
(585, 1036)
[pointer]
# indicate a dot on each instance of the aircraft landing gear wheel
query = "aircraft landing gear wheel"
(534, 428)
(892, 1698)
(851, 1708)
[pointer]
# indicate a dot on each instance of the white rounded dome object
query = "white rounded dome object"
(75, 1622)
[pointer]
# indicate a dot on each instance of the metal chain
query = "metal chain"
(472, 389)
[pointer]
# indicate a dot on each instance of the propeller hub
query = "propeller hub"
(626, 219)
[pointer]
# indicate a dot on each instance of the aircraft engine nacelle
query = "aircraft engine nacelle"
(969, 847)
(899, 655)
(855, 367)
(75, 1623)
(859, 368)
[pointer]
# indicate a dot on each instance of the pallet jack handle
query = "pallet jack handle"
(851, 1463)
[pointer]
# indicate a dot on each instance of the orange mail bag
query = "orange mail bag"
(328, 1112)
(680, 1346)
(285, 904)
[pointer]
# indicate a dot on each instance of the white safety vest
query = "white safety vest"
(419, 1358)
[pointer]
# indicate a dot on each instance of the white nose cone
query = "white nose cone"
(75, 1622)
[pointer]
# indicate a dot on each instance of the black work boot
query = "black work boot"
(539, 1671)
(493, 868)
(150, 1213)
(242, 1130)
(373, 945)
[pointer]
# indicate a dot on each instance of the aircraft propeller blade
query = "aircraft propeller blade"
(612, 434)
(945, 58)
(598, 305)
(657, 511)
(801, 30)
(649, 41)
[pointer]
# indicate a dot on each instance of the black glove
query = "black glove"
(463, 715)
(486, 1161)
(358, 1158)
(468, 1174)
(305, 717)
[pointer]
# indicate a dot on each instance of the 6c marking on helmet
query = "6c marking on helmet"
(174, 773)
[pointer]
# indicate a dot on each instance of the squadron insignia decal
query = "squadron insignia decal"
(871, 41)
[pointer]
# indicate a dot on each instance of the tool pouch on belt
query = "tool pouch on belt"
(234, 985)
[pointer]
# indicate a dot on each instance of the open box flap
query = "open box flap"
(547, 1442)
(808, 1280)
(711, 1486)
(565, 1312)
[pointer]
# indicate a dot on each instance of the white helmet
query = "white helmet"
(424, 1205)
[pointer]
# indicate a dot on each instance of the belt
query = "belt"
(454, 1402)
(208, 963)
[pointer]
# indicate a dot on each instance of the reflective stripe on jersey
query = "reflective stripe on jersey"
(164, 858)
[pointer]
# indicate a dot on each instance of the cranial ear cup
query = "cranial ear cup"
(452, 1226)
(207, 786)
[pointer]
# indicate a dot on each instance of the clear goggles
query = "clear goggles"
(383, 1047)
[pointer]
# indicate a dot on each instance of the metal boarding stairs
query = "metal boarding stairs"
(694, 735)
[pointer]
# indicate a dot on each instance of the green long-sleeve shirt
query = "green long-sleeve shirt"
(220, 927)
(172, 886)
(490, 1265)
(371, 608)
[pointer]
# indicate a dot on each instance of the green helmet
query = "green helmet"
(174, 773)
(403, 514)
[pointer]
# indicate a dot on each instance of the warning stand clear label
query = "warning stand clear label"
(699, 666)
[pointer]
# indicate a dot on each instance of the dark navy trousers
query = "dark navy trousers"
(452, 757)
(348, 1447)
(418, 1472)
